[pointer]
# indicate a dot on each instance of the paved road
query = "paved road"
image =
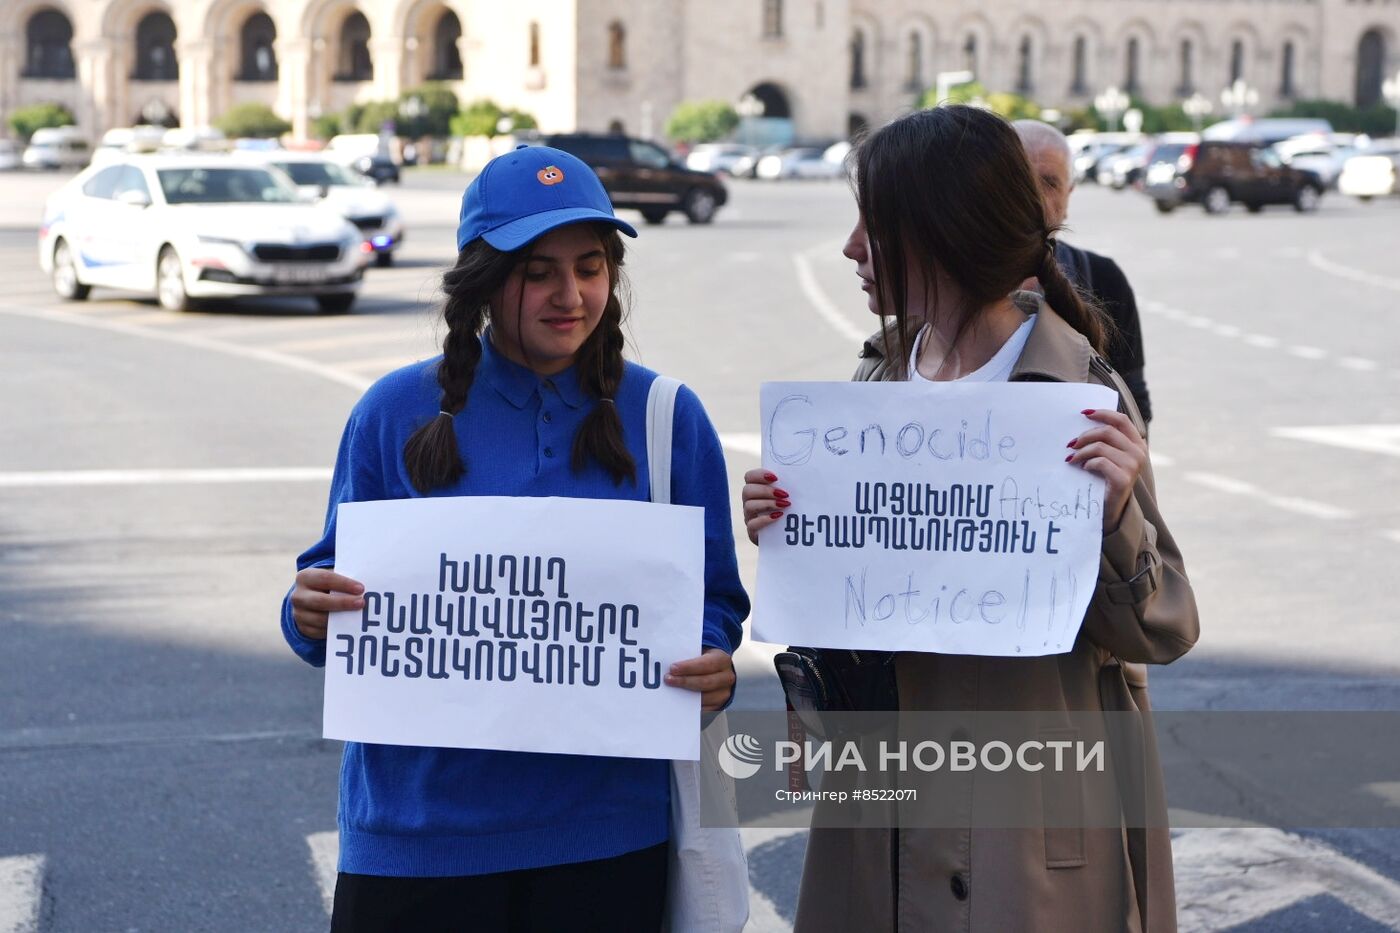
(161, 765)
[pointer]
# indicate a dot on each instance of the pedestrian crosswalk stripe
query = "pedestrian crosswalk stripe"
(21, 893)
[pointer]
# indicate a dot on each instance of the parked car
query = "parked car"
(1089, 150)
(718, 157)
(779, 165)
(57, 147)
(1122, 169)
(1265, 130)
(747, 166)
(192, 227)
(1216, 173)
(1324, 155)
(127, 140)
(366, 153)
(9, 155)
(194, 139)
(379, 169)
(1374, 173)
(354, 197)
(642, 176)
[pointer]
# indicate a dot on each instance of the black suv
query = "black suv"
(1215, 173)
(643, 176)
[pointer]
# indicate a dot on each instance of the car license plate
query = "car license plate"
(299, 275)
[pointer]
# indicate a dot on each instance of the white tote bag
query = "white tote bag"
(707, 888)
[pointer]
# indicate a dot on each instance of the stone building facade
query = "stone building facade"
(826, 65)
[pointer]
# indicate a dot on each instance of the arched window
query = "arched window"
(1188, 67)
(49, 46)
(915, 78)
(858, 79)
(1288, 86)
(1236, 61)
(447, 55)
(970, 53)
(1023, 66)
(772, 19)
(534, 45)
(1080, 83)
(617, 46)
(155, 49)
(257, 57)
(353, 62)
(1370, 68)
(1132, 78)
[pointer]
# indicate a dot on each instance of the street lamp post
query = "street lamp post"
(945, 81)
(1111, 104)
(1239, 98)
(748, 108)
(1390, 88)
(1197, 107)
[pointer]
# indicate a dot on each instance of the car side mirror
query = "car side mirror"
(135, 197)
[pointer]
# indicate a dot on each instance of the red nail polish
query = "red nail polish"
(775, 515)
(770, 477)
(779, 493)
(784, 504)
(1087, 411)
(1069, 458)
(1073, 443)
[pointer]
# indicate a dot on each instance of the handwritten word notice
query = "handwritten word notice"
(938, 518)
(520, 624)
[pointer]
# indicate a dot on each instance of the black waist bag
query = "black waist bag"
(836, 680)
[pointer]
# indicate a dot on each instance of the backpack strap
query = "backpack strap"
(661, 419)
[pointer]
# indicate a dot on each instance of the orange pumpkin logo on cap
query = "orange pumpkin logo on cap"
(550, 175)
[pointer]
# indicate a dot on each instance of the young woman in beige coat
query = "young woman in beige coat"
(950, 222)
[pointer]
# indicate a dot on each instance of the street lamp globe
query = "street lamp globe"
(1111, 104)
(1239, 98)
(1197, 107)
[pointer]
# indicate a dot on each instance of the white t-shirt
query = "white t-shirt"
(997, 369)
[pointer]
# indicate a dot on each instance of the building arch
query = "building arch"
(1188, 52)
(917, 53)
(48, 45)
(863, 53)
(1242, 39)
(972, 37)
(1084, 48)
(257, 47)
(1373, 50)
(154, 48)
(1135, 55)
(433, 46)
(1031, 39)
(1304, 75)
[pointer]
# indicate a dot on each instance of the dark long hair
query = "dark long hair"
(951, 190)
(432, 455)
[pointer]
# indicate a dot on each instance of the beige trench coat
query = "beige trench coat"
(1019, 880)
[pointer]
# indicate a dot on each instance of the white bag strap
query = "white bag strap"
(661, 419)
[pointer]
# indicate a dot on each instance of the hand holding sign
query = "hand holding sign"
(1115, 451)
(319, 591)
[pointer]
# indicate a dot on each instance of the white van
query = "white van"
(57, 147)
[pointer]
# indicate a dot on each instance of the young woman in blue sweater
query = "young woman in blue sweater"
(531, 397)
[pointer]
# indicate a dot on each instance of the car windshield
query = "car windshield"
(1168, 152)
(324, 174)
(222, 186)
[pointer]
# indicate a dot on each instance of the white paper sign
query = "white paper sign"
(938, 518)
(521, 624)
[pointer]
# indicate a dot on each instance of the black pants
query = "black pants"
(625, 894)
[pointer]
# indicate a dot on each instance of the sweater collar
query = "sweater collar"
(518, 384)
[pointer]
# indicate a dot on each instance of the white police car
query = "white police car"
(192, 227)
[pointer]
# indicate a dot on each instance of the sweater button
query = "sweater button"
(547, 417)
(959, 887)
(549, 451)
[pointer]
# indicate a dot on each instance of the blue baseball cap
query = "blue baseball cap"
(524, 194)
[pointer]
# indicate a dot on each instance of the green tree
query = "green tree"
(1377, 120)
(437, 105)
(256, 121)
(325, 126)
(970, 92)
(371, 117)
(701, 121)
(26, 120)
(483, 118)
(1013, 106)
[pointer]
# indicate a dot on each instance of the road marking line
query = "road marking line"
(1228, 330)
(1359, 364)
(1308, 353)
(21, 893)
(1371, 438)
(1195, 320)
(823, 305)
(1236, 487)
(331, 343)
(311, 367)
(1228, 877)
(39, 478)
(325, 852)
(1261, 341)
(1391, 536)
(1319, 261)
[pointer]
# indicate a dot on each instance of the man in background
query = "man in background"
(1096, 275)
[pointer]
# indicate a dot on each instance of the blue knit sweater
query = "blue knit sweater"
(440, 812)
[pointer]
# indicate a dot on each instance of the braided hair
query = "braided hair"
(432, 454)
